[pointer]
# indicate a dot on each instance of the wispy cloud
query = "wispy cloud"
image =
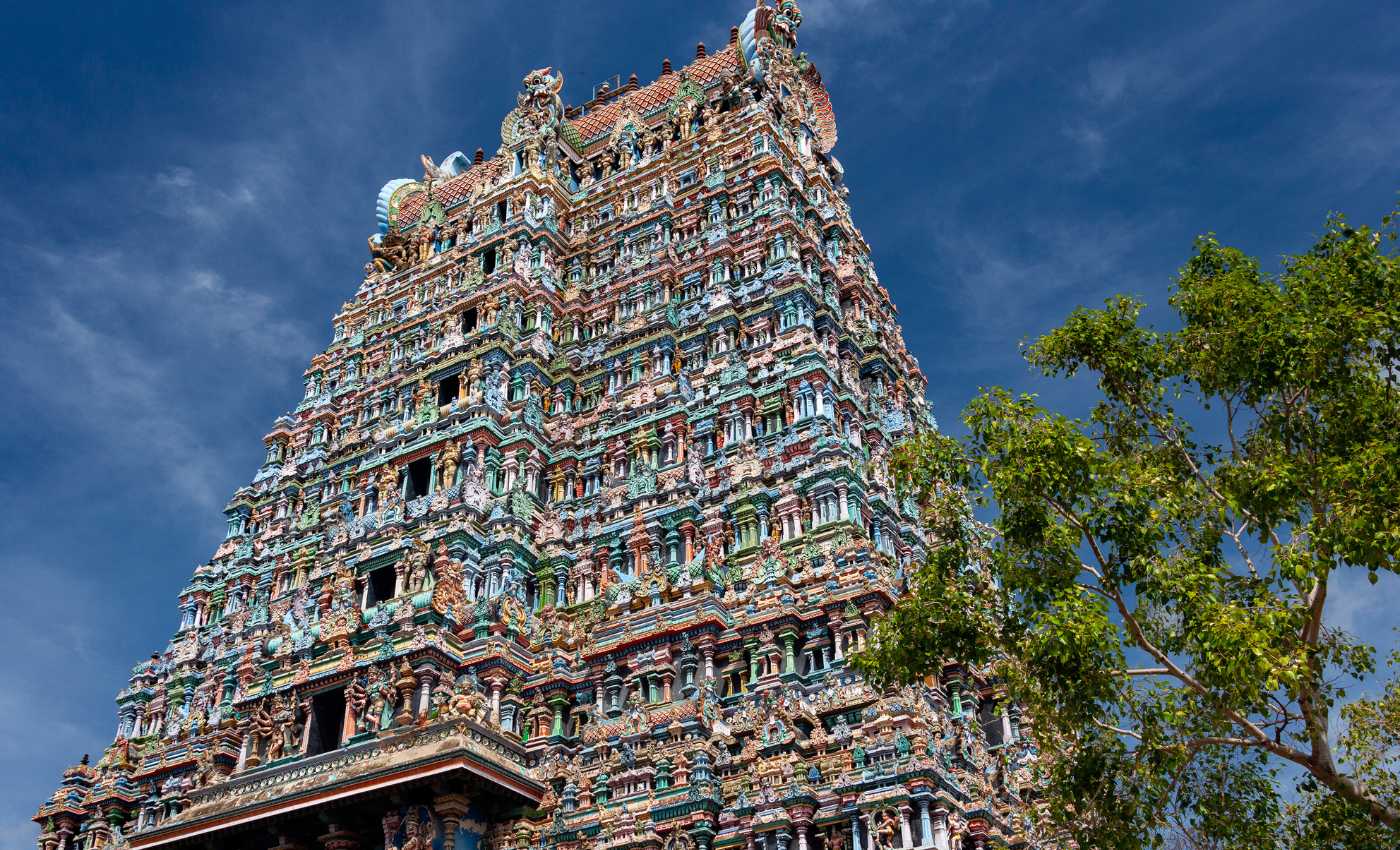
(103, 349)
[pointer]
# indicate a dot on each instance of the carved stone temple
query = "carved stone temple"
(585, 509)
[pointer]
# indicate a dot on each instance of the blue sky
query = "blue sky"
(188, 187)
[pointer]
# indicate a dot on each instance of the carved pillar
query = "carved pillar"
(496, 683)
(451, 808)
(425, 676)
(940, 829)
(67, 828)
(925, 827)
(557, 704)
(906, 839)
(339, 838)
(404, 685)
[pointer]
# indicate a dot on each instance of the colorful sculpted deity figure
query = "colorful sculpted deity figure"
(417, 566)
(885, 830)
(387, 252)
(468, 701)
(263, 734)
(387, 484)
(448, 460)
(356, 702)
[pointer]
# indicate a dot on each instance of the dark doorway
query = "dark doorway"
(419, 474)
(447, 390)
(327, 717)
(381, 586)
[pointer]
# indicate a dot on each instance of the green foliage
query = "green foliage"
(1154, 582)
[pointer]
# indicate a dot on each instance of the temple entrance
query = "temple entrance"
(456, 781)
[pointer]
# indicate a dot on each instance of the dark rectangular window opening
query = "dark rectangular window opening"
(327, 718)
(501, 211)
(447, 389)
(381, 586)
(488, 261)
(419, 473)
(469, 320)
(991, 723)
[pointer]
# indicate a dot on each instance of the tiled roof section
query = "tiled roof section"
(595, 124)
(453, 191)
(649, 98)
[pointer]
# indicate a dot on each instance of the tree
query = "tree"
(1151, 582)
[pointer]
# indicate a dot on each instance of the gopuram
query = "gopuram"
(585, 509)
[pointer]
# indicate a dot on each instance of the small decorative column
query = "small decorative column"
(789, 652)
(855, 831)
(425, 676)
(905, 838)
(452, 808)
(405, 685)
(925, 827)
(67, 828)
(340, 838)
(940, 829)
(709, 663)
(496, 683)
(557, 703)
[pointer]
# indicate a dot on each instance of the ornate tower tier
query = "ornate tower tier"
(584, 510)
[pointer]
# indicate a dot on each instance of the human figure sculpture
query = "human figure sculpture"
(885, 830)
(448, 461)
(356, 699)
(263, 732)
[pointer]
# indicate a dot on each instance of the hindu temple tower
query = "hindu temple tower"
(584, 509)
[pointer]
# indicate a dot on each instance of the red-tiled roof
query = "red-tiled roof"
(648, 98)
(450, 192)
(643, 101)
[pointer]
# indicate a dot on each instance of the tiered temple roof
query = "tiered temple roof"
(585, 509)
